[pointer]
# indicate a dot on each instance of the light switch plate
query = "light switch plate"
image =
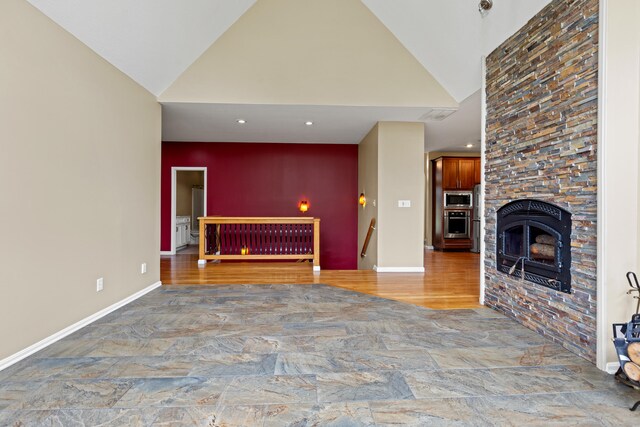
(404, 203)
(99, 284)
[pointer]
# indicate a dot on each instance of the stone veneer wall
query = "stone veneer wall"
(541, 144)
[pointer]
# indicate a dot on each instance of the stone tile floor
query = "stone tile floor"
(299, 355)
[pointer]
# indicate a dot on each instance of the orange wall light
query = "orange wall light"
(303, 206)
(362, 200)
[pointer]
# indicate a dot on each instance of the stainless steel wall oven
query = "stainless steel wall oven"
(457, 224)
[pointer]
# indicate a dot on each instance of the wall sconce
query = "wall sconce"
(362, 200)
(303, 206)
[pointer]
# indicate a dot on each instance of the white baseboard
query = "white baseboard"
(398, 269)
(429, 247)
(15, 358)
(612, 367)
(167, 253)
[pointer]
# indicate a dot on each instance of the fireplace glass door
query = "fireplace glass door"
(513, 241)
(543, 245)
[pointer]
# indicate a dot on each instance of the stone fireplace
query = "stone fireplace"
(541, 175)
(534, 243)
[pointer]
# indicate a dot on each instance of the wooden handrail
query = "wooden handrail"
(257, 220)
(372, 226)
(254, 238)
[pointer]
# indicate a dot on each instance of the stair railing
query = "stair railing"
(372, 226)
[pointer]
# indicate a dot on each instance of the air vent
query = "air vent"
(437, 114)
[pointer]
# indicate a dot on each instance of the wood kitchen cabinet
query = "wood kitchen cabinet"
(466, 174)
(458, 173)
(452, 174)
(449, 170)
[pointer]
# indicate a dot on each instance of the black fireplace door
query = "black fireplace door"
(537, 236)
(535, 241)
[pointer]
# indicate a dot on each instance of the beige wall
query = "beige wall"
(400, 177)
(368, 184)
(66, 113)
(313, 52)
(428, 157)
(185, 180)
(620, 201)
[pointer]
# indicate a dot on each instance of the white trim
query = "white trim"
(601, 265)
(398, 269)
(15, 358)
(483, 145)
(612, 367)
(429, 247)
(174, 171)
(163, 253)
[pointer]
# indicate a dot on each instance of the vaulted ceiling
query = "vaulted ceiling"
(156, 41)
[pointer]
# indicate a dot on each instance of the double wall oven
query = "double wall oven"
(457, 214)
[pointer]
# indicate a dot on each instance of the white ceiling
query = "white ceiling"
(277, 123)
(458, 130)
(449, 38)
(154, 41)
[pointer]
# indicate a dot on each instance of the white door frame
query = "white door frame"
(174, 174)
(602, 328)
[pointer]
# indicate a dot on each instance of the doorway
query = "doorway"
(188, 202)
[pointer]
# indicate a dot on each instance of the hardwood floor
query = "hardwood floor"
(451, 279)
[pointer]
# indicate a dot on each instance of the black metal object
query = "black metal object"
(625, 333)
(519, 223)
(635, 287)
(622, 378)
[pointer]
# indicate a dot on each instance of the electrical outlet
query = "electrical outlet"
(99, 284)
(404, 203)
(143, 268)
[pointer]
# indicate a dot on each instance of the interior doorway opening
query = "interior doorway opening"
(188, 203)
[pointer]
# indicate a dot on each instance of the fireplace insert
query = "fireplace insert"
(534, 243)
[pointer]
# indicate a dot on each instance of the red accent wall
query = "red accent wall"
(250, 179)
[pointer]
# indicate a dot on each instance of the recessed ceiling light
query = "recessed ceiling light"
(469, 145)
(241, 121)
(309, 123)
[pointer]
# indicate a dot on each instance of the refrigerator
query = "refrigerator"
(476, 219)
